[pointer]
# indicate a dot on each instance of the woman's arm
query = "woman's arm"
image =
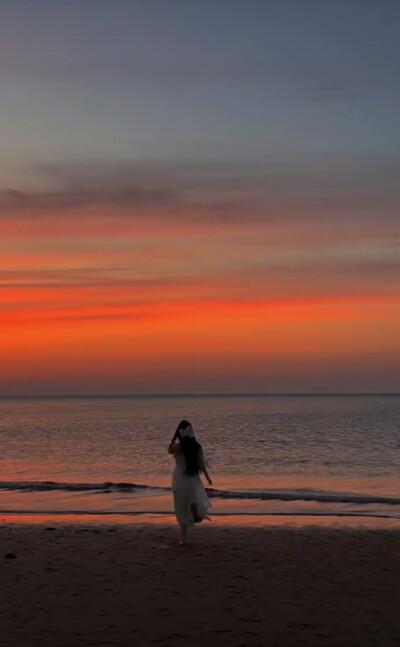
(173, 446)
(204, 468)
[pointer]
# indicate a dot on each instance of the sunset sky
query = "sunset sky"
(199, 196)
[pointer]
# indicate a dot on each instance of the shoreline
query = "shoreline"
(249, 520)
(258, 507)
(94, 584)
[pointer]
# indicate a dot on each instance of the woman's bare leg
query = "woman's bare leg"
(195, 514)
(183, 530)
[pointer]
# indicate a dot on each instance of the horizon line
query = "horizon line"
(195, 395)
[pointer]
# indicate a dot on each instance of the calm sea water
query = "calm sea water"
(295, 456)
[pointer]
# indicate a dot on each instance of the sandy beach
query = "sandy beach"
(71, 585)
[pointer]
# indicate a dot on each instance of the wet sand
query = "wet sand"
(74, 585)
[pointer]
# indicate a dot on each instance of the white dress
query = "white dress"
(191, 502)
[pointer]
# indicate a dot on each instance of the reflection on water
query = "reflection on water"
(125, 508)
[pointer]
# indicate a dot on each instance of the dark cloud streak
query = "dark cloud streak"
(312, 190)
(43, 201)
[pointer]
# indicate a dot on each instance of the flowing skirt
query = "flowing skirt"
(191, 502)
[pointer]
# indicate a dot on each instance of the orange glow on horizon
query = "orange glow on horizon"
(46, 341)
(99, 296)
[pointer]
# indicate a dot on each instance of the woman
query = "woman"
(191, 502)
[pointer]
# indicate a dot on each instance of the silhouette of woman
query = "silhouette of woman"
(191, 502)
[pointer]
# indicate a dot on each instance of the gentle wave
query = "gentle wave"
(53, 486)
(166, 513)
(320, 496)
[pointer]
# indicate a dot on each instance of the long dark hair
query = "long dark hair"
(191, 449)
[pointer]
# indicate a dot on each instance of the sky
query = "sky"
(199, 197)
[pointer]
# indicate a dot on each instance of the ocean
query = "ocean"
(273, 459)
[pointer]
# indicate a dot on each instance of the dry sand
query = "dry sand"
(73, 586)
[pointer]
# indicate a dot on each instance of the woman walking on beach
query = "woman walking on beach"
(191, 502)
